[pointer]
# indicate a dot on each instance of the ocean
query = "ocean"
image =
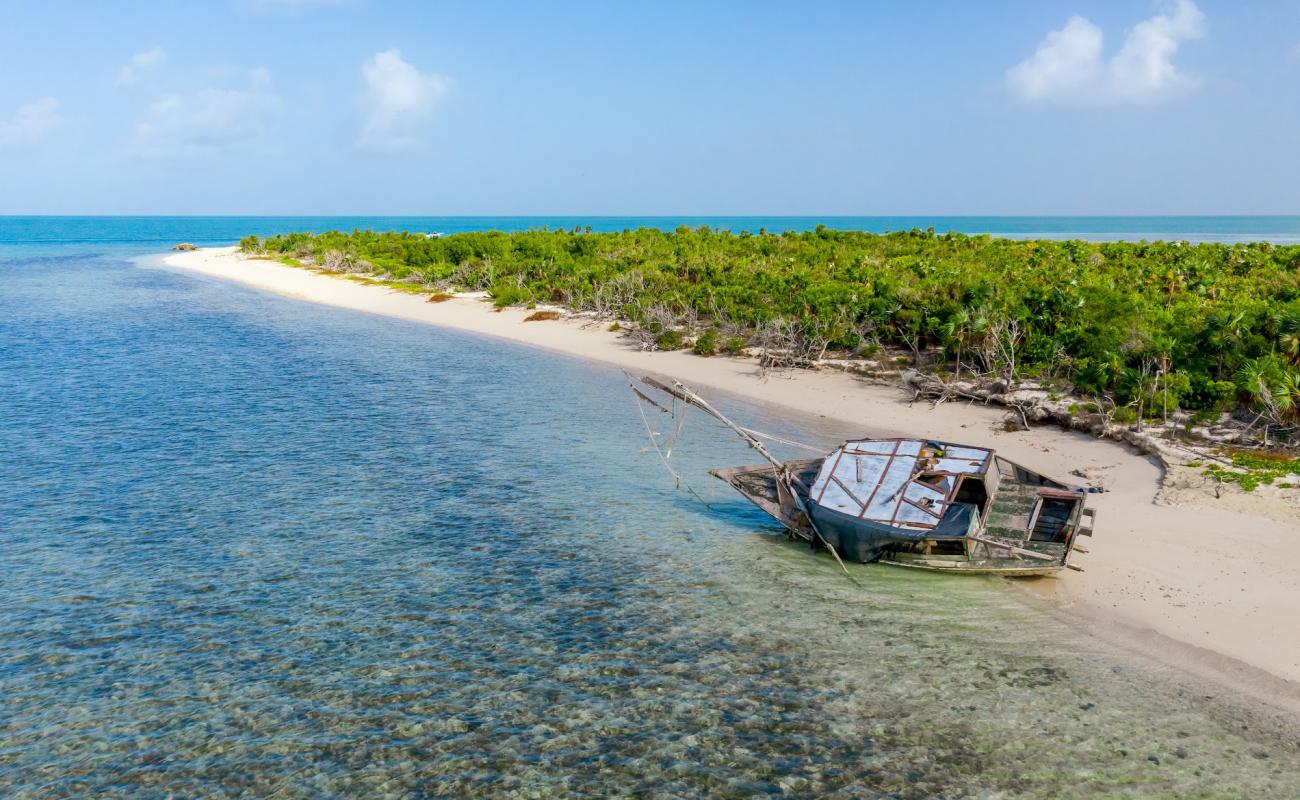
(128, 233)
(256, 547)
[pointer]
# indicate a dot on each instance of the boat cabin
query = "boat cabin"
(912, 502)
(908, 483)
(920, 502)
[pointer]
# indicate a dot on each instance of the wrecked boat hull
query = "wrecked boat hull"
(865, 541)
(914, 502)
(758, 484)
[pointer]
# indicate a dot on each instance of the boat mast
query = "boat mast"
(784, 477)
(691, 398)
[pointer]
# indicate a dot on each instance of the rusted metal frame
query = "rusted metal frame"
(951, 494)
(947, 498)
(876, 488)
(893, 519)
(897, 440)
(910, 501)
(846, 489)
(834, 467)
(899, 507)
(865, 453)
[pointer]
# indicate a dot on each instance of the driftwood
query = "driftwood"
(1028, 404)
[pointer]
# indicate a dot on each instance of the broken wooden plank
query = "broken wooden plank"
(1012, 548)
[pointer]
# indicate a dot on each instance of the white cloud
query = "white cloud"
(208, 121)
(1068, 66)
(1068, 60)
(1144, 65)
(398, 102)
(29, 124)
(140, 63)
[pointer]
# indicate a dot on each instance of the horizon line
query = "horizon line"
(652, 216)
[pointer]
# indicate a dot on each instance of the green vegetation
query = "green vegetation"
(707, 343)
(288, 261)
(1146, 328)
(670, 339)
(1254, 468)
(400, 286)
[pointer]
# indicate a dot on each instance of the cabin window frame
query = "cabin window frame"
(982, 480)
(1044, 495)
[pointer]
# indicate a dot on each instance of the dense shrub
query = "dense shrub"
(670, 340)
(707, 343)
(1157, 324)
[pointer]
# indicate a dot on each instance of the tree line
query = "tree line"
(1151, 328)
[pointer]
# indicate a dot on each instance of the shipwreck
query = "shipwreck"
(910, 502)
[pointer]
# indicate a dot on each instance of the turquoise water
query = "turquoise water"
(255, 547)
(129, 233)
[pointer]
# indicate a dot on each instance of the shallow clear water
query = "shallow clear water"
(250, 546)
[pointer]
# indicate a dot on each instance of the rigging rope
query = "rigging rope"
(677, 432)
(663, 458)
(790, 442)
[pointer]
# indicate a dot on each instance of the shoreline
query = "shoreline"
(1208, 577)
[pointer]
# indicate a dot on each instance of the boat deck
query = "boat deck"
(1007, 524)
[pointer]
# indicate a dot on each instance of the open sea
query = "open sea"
(253, 547)
(116, 233)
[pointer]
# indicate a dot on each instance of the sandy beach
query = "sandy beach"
(1187, 577)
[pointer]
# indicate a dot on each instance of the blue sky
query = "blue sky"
(374, 107)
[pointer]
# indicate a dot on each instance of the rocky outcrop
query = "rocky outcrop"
(186, 246)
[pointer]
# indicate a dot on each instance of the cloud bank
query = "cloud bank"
(208, 121)
(397, 104)
(29, 124)
(140, 63)
(1069, 67)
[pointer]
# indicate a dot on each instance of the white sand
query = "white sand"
(1218, 584)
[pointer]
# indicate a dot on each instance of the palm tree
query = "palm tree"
(1227, 335)
(1163, 346)
(1286, 394)
(1287, 324)
(962, 329)
(1275, 391)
